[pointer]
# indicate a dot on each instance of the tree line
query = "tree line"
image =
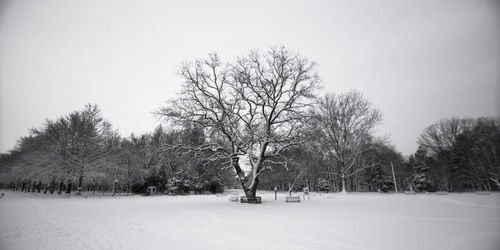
(82, 152)
(459, 155)
(257, 122)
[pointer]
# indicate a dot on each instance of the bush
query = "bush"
(323, 185)
(215, 187)
(138, 188)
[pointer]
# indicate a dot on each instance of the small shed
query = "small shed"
(151, 190)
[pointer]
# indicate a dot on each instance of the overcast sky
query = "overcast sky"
(416, 61)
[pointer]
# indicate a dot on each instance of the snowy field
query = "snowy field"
(327, 221)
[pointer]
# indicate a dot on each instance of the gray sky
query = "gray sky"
(416, 61)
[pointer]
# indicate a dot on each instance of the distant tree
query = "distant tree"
(251, 109)
(131, 161)
(27, 161)
(384, 159)
(176, 171)
(379, 179)
(443, 134)
(486, 152)
(300, 161)
(439, 139)
(76, 142)
(475, 163)
(323, 184)
(463, 153)
(421, 181)
(346, 125)
(304, 166)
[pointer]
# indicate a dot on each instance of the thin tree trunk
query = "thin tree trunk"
(343, 179)
(68, 188)
(115, 181)
(80, 181)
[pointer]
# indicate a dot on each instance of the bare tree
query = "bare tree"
(346, 124)
(440, 139)
(443, 134)
(251, 109)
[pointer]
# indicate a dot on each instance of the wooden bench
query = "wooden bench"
(441, 193)
(234, 198)
(292, 199)
(483, 192)
(256, 200)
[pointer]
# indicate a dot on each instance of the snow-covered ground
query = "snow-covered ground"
(327, 221)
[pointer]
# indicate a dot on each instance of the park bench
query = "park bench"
(292, 199)
(234, 198)
(483, 192)
(256, 200)
(410, 192)
(441, 193)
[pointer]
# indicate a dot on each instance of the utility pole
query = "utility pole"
(394, 178)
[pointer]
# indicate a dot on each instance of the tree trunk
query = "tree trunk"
(68, 188)
(80, 181)
(343, 179)
(52, 186)
(115, 181)
(251, 192)
(61, 187)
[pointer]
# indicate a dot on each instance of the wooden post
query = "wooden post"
(394, 178)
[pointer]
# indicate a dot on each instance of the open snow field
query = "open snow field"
(328, 221)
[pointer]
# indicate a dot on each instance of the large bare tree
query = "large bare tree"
(346, 123)
(252, 109)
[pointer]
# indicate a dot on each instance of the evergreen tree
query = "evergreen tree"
(323, 184)
(421, 181)
(379, 179)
